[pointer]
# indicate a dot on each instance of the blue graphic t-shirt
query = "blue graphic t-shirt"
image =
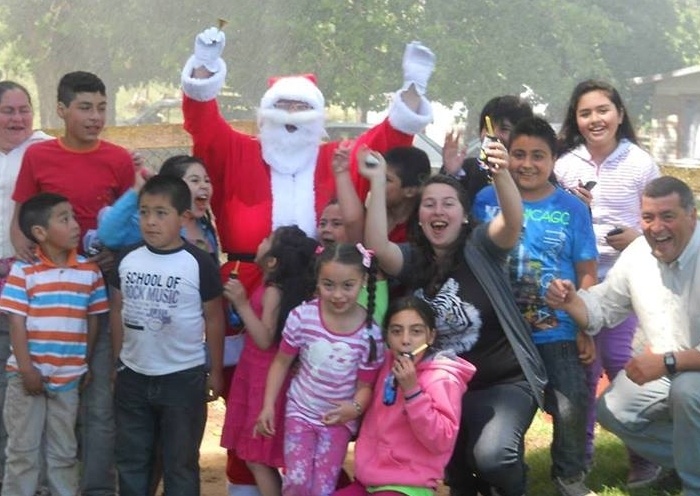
(557, 234)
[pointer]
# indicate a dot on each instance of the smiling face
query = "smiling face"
(441, 215)
(199, 183)
(407, 331)
(16, 117)
(160, 222)
(667, 226)
(598, 118)
(531, 163)
(338, 286)
(84, 118)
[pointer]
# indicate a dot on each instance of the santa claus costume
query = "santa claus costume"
(283, 176)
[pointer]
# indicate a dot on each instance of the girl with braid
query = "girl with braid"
(340, 351)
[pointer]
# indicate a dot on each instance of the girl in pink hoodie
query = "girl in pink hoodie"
(410, 428)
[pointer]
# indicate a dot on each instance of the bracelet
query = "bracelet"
(412, 395)
(358, 407)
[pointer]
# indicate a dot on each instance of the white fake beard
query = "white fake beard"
(292, 160)
(289, 152)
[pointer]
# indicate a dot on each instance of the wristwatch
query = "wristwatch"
(670, 362)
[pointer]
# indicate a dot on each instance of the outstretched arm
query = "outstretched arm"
(376, 225)
(505, 228)
(351, 207)
(562, 295)
(205, 71)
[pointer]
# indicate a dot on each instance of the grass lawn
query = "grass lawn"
(609, 471)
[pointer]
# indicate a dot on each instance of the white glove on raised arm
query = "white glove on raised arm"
(208, 46)
(418, 66)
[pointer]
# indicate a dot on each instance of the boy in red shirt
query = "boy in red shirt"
(91, 174)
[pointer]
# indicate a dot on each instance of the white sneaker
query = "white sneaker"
(573, 487)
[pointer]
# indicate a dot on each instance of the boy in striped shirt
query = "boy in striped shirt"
(52, 306)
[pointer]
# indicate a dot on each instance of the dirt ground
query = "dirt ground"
(213, 457)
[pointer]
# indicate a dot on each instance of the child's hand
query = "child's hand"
(498, 158)
(371, 172)
(452, 155)
(235, 292)
(586, 348)
(33, 381)
(341, 157)
(104, 259)
(85, 380)
(582, 193)
(215, 385)
(141, 175)
(405, 372)
(266, 423)
(342, 413)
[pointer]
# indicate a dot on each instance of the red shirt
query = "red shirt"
(90, 179)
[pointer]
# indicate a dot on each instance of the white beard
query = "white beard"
(292, 160)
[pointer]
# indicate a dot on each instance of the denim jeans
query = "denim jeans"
(167, 409)
(491, 441)
(96, 420)
(566, 400)
(659, 420)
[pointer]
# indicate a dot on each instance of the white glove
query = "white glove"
(208, 46)
(418, 65)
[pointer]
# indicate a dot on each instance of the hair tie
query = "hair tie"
(319, 250)
(366, 255)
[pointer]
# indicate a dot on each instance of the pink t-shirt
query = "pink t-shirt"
(330, 364)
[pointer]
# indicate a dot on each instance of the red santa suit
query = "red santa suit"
(259, 186)
(250, 197)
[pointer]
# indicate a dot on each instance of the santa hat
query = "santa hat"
(300, 88)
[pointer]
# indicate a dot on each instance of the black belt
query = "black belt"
(243, 257)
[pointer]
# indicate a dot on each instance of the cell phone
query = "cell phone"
(589, 185)
(617, 230)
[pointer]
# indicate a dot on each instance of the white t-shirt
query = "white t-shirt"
(162, 312)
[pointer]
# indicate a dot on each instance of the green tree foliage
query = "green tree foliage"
(126, 43)
(484, 48)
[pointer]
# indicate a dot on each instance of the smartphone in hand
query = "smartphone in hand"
(589, 185)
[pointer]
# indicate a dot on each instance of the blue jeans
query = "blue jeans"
(96, 420)
(566, 400)
(167, 409)
(659, 420)
(491, 441)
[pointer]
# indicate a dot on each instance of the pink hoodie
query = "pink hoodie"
(410, 442)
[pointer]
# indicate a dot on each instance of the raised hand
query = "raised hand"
(452, 154)
(418, 66)
(208, 47)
